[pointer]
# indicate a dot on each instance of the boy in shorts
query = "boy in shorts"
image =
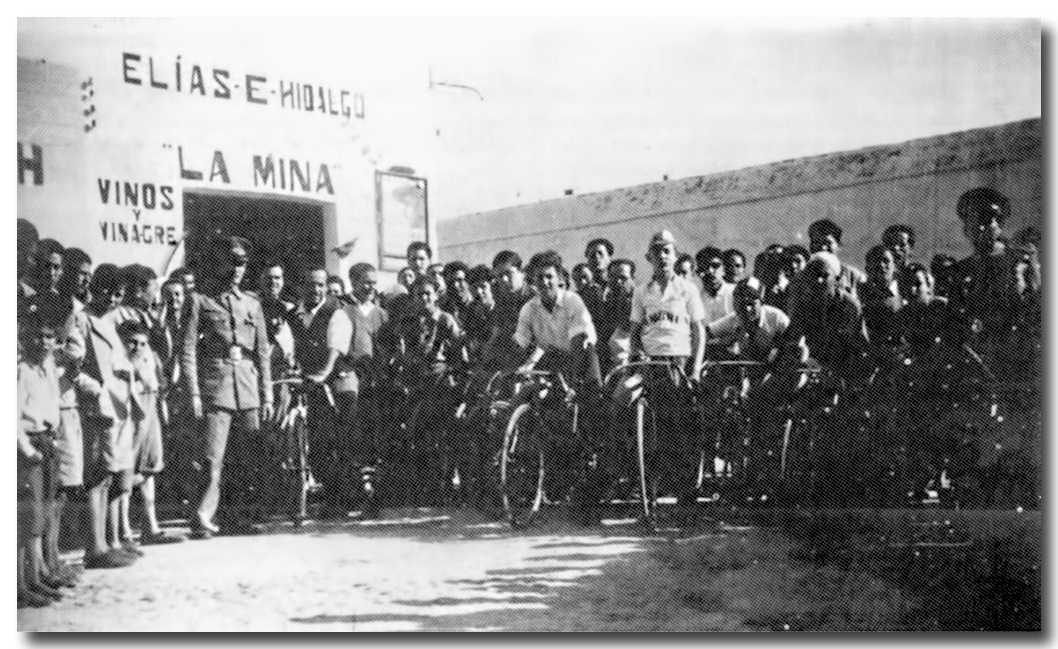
(38, 420)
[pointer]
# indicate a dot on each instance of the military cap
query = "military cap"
(983, 199)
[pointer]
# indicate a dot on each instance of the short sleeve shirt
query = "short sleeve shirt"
(38, 396)
(721, 304)
(667, 316)
(772, 323)
(554, 329)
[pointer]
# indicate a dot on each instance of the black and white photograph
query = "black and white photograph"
(530, 324)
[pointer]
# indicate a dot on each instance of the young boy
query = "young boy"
(615, 331)
(734, 265)
(432, 344)
(147, 430)
(716, 293)
(511, 293)
(38, 420)
(479, 314)
(880, 295)
(925, 319)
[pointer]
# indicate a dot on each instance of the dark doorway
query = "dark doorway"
(287, 231)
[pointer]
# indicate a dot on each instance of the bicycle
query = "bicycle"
(940, 426)
(293, 428)
(732, 440)
(632, 393)
(541, 426)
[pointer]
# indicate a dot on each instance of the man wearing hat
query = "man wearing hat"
(986, 295)
(667, 325)
(226, 366)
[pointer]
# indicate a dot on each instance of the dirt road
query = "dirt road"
(412, 570)
(453, 569)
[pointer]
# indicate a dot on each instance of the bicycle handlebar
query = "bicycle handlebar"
(631, 365)
(289, 380)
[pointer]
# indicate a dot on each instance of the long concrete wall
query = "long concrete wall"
(916, 182)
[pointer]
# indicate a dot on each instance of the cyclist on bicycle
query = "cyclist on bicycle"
(755, 332)
(555, 333)
(667, 324)
(428, 346)
(555, 329)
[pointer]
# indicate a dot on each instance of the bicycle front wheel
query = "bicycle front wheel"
(522, 467)
(646, 452)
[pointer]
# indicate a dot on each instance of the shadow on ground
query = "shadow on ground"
(830, 571)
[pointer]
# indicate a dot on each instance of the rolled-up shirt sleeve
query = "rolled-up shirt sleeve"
(339, 331)
(724, 327)
(578, 319)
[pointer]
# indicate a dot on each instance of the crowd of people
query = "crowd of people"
(123, 391)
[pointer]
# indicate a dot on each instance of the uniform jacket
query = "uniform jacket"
(225, 352)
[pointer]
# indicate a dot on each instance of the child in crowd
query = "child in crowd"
(38, 420)
(925, 319)
(880, 295)
(582, 278)
(147, 431)
(616, 328)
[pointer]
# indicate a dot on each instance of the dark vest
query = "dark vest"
(310, 343)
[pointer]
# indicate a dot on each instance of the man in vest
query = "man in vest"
(353, 381)
(321, 330)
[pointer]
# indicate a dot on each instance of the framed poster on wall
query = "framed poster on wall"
(401, 213)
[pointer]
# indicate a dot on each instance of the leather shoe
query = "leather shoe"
(201, 534)
(41, 588)
(161, 538)
(205, 525)
(59, 581)
(132, 547)
(108, 559)
(28, 598)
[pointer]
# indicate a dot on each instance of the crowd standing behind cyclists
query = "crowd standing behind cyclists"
(117, 393)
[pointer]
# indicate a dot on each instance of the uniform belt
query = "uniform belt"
(232, 353)
(40, 433)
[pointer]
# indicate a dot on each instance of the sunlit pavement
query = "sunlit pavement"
(414, 569)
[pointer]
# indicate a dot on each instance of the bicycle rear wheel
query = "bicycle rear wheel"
(646, 454)
(522, 467)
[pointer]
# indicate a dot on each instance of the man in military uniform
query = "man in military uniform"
(225, 359)
(987, 296)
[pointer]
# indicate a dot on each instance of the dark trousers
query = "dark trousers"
(679, 434)
(338, 445)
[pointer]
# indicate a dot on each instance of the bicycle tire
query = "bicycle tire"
(521, 468)
(301, 505)
(646, 449)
